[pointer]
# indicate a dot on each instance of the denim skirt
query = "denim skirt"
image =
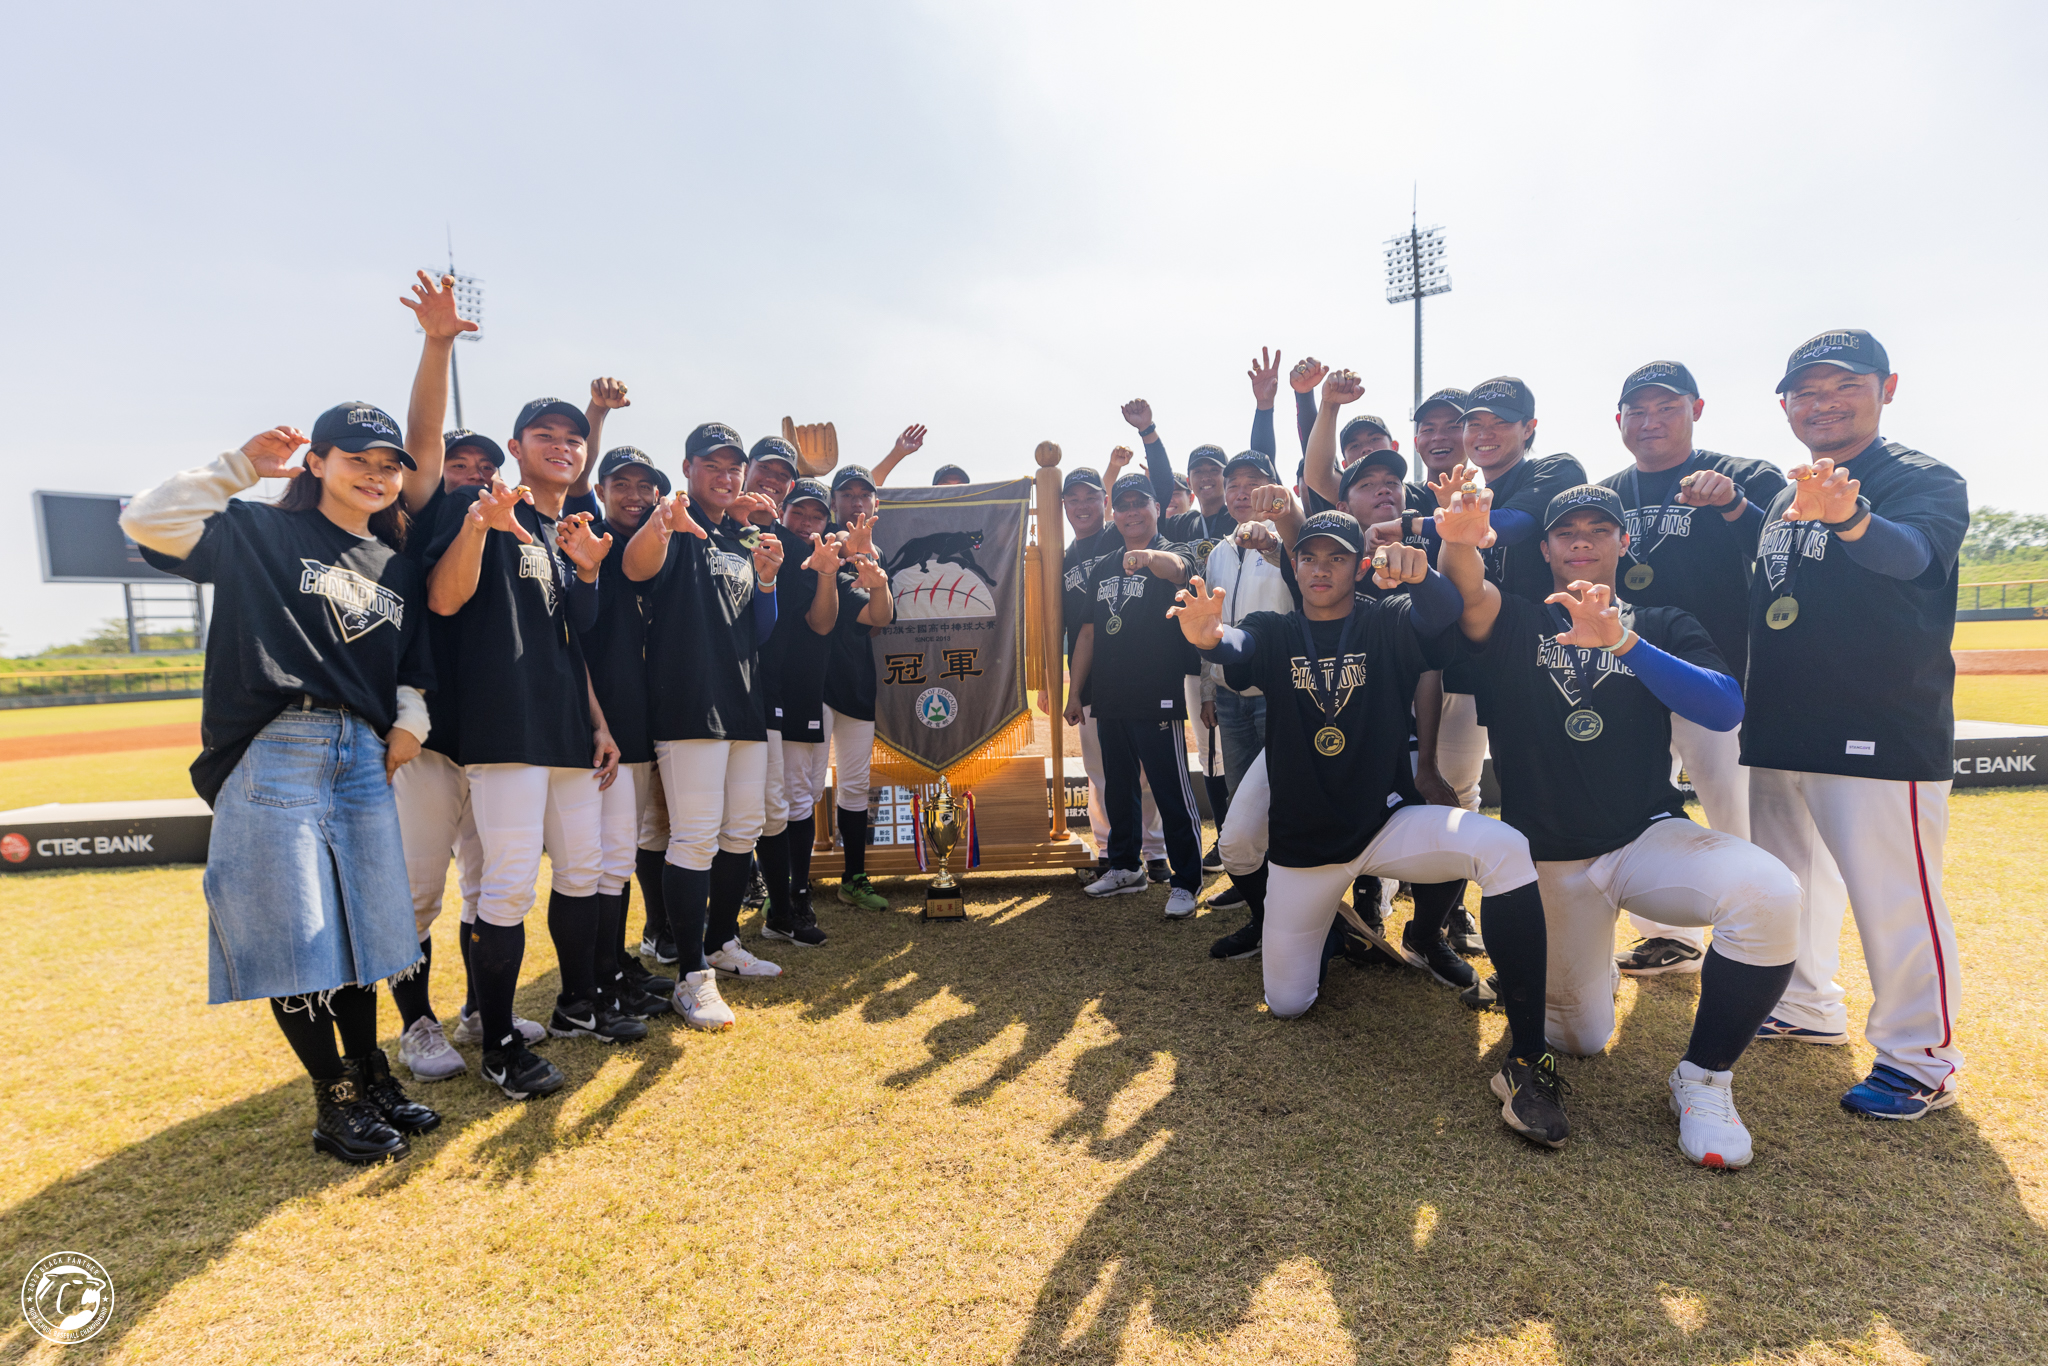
(305, 874)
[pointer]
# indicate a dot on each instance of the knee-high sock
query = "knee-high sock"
(1518, 944)
(411, 993)
(803, 835)
(772, 854)
(647, 870)
(1365, 899)
(1734, 1000)
(1333, 945)
(1219, 801)
(572, 924)
(463, 941)
(494, 955)
(853, 833)
(625, 895)
(309, 1028)
(355, 1019)
(687, 894)
(1253, 885)
(1434, 902)
(730, 874)
(609, 945)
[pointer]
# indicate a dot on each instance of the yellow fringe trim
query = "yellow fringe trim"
(891, 765)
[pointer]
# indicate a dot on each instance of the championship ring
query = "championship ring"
(1330, 741)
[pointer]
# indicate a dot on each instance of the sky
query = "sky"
(999, 220)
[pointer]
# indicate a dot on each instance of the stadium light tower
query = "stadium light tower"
(469, 302)
(1416, 270)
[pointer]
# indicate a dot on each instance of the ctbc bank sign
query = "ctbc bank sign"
(104, 835)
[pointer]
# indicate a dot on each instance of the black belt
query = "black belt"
(308, 702)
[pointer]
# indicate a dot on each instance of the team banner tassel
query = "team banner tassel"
(917, 824)
(890, 765)
(973, 833)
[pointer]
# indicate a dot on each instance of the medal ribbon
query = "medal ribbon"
(1635, 493)
(1571, 659)
(1327, 703)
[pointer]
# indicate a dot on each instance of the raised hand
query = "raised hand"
(1596, 621)
(1342, 387)
(1307, 373)
(1256, 536)
(1822, 492)
(1265, 378)
(583, 546)
(1271, 501)
(860, 535)
(868, 574)
(767, 558)
(1706, 489)
(433, 305)
(1464, 518)
(1200, 610)
(270, 452)
(1138, 413)
(1118, 458)
(910, 441)
(1394, 565)
(496, 509)
(608, 393)
(672, 514)
(1451, 481)
(824, 558)
(757, 508)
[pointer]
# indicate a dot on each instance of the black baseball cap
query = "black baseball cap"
(1454, 399)
(359, 427)
(1392, 460)
(1180, 481)
(1083, 477)
(713, 436)
(852, 474)
(1133, 483)
(1207, 455)
(1340, 527)
(1252, 460)
(1852, 349)
(1365, 422)
(1506, 397)
(811, 489)
(950, 474)
(463, 436)
(1594, 497)
(774, 448)
(619, 457)
(1664, 374)
(550, 407)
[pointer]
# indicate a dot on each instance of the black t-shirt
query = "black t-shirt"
(1077, 583)
(703, 667)
(1699, 561)
(1140, 654)
(850, 676)
(616, 650)
(520, 681)
(444, 717)
(1418, 499)
(794, 661)
(1520, 569)
(1862, 682)
(1326, 806)
(1577, 799)
(299, 606)
(1194, 533)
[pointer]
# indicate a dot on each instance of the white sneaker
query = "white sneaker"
(735, 961)
(470, 1029)
(698, 1002)
(424, 1049)
(1118, 881)
(1709, 1130)
(1180, 904)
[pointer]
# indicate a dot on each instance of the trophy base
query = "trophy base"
(944, 904)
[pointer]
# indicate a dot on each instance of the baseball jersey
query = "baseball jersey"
(1330, 800)
(703, 668)
(444, 717)
(520, 685)
(299, 606)
(1528, 487)
(1862, 681)
(1699, 561)
(1574, 798)
(1140, 654)
(1418, 499)
(615, 649)
(1077, 580)
(796, 658)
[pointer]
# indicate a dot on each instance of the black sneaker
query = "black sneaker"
(1532, 1100)
(793, 929)
(1157, 871)
(521, 1073)
(1655, 957)
(1242, 942)
(757, 895)
(1436, 958)
(641, 1004)
(1370, 949)
(1461, 934)
(1231, 895)
(1213, 860)
(603, 1021)
(1483, 994)
(349, 1126)
(662, 950)
(800, 899)
(645, 982)
(372, 1076)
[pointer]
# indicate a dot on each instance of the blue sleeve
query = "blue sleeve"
(1509, 526)
(1891, 548)
(1750, 526)
(1234, 648)
(1304, 419)
(1434, 605)
(1160, 466)
(764, 616)
(582, 604)
(1704, 697)
(1262, 432)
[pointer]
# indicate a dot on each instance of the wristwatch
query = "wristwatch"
(1863, 510)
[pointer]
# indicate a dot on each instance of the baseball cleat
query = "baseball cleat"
(1775, 1028)
(1436, 958)
(1656, 957)
(1709, 1131)
(1532, 1100)
(1888, 1093)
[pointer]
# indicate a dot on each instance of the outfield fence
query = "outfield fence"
(2014, 600)
(84, 688)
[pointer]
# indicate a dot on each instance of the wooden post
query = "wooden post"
(1051, 561)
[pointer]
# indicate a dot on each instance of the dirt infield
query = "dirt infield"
(183, 734)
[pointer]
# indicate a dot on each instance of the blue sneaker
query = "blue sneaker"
(1775, 1028)
(1888, 1093)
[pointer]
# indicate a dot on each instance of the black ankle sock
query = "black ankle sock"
(730, 874)
(462, 941)
(1519, 945)
(410, 994)
(609, 944)
(1434, 902)
(572, 924)
(647, 866)
(1365, 899)
(355, 1019)
(1219, 802)
(1253, 885)
(853, 833)
(772, 854)
(309, 1028)
(1734, 1000)
(687, 894)
(803, 837)
(495, 952)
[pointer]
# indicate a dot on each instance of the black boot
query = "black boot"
(349, 1126)
(372, 1076)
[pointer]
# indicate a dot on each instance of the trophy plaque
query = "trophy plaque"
(941, 832)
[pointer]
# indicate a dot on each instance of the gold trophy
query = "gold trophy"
(941, 833)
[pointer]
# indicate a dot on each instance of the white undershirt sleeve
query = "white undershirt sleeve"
(170, 517)
(412, 712)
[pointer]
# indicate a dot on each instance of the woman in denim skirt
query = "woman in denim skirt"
(315, 675)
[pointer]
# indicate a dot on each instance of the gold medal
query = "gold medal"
(1782, 613)
(1116, 624)
(1329, 742)
(1639, 576)
(1584, 724)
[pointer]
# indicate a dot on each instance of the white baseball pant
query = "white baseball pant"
(853, 749)
(1243, 838)
(619, 817)
(653, 804)
(806, 772)
(1682, 873)
(1153, 837)
(1712, 759)
(775, 790)
(1461, 747)
(1873, 846)
(716, 797)
(522, 809)
(1417, 844)
(434, 820)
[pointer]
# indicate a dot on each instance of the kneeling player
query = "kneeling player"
(1580, 691)
(1337, 676)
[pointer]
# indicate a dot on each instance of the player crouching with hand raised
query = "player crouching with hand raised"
(1579, 691)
